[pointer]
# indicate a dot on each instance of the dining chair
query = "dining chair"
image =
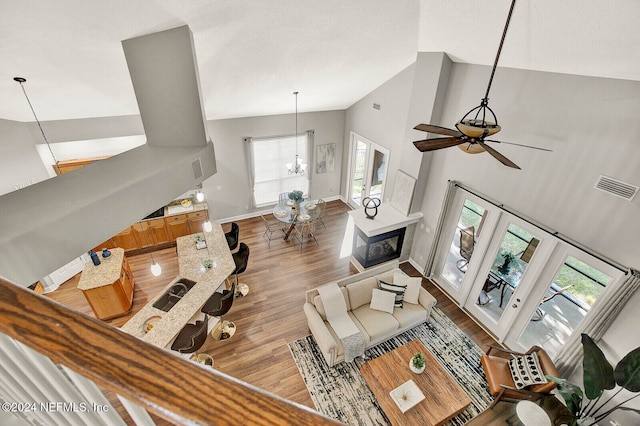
(284, 196)
(305, 229)
(322, 205)
(270, 227)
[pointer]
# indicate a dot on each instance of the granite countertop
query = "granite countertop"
(168, 324)
(106, 273)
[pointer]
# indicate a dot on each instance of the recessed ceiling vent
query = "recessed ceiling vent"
(617, 187)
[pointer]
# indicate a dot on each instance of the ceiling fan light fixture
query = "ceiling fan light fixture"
(477, 128)
(471, 148)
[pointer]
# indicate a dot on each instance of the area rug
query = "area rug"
(342, 393)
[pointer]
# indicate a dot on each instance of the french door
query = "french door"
(502, 288)
(523, 284)
(368, 164)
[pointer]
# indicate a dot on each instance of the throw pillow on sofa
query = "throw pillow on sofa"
(397, 290)
(382, 300)
(413, 284)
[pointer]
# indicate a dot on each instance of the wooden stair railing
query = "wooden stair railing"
(171, 387)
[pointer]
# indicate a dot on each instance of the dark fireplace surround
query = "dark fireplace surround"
(370, 251)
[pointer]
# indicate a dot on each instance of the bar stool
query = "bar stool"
(191, 337)
(232, 236)
(216, 306)
(241, 259)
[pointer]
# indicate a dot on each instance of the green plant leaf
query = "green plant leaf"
(627, 372)
(571, 394)
(598, 373)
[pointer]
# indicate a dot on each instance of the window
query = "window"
(270, 175)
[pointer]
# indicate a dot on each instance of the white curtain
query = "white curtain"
(446, 206)
(598, 320)
(267, 159)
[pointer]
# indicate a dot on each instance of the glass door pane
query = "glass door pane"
(467, 233)
(367, 171)
(378, 173)
(516, 250)
(566, 301)
(358, 167)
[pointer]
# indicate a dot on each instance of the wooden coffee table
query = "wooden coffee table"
(444, 398)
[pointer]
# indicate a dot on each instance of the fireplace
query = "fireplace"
(369, 251)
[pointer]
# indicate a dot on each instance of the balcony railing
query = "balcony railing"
(181, 391)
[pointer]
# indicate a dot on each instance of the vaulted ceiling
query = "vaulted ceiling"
(253, 54)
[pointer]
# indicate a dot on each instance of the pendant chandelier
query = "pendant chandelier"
(298, 167)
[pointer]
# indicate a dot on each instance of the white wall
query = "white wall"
(590, 125)
(20, 164)
(384, 127)
(228, 192)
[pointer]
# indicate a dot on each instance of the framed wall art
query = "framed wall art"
(325, 158)
(403, 192)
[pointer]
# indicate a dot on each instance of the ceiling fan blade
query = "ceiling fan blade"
(437, 130)
(501, 158)
(437, 143)
(519, 144)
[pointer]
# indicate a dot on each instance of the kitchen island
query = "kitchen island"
(158, 327)
(108, 286)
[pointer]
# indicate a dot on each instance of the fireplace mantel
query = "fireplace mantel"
(387, 219)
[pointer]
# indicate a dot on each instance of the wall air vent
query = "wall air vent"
(197, 169)
(617, 187)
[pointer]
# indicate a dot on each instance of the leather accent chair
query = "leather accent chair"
(501, 384)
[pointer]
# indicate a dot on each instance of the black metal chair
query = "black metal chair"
(216, 306)
(241, 259)
(232, 236)
(191, 337)
(467, 244)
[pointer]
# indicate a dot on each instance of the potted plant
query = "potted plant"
(296, 197)
(598, 376)
(508, 257)
(207, 263)
(416, 364)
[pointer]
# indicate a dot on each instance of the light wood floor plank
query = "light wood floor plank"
(271, 315)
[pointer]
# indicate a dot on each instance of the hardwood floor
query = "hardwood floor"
(271, 315)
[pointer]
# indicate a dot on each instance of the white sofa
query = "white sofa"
(375, 325)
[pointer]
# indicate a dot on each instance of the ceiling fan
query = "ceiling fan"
(475, 126)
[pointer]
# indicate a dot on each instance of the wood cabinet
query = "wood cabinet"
(69, 165)
(195, 221)
(177, 225)
(140, 231)
(126, 239)
(156, 232)
(159, 231)
(108, 287)
(106, 244)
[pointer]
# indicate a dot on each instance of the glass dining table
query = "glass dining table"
(284, 212)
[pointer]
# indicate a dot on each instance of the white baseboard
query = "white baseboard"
(416, 265)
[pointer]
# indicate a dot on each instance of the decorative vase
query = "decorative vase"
(414, 369)
(295, 208)
(94, 257)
